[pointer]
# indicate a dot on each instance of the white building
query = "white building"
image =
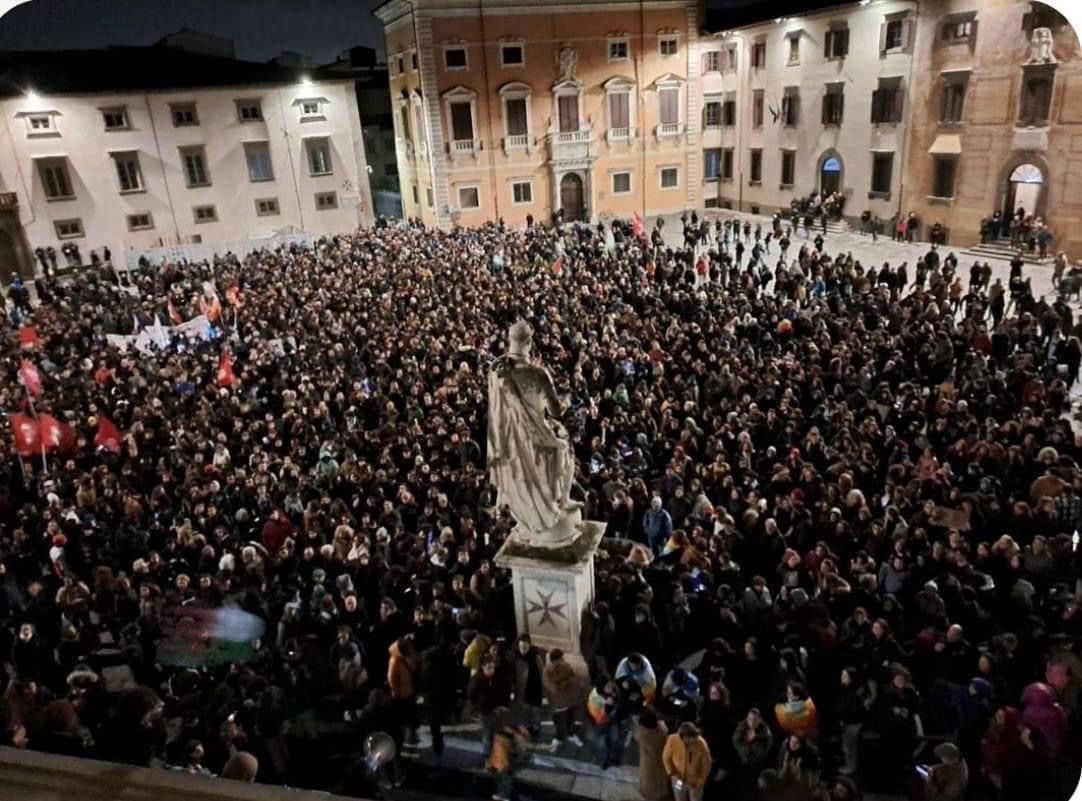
(134, 148)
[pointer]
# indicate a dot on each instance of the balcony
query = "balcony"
(463, 148)
(669, 129)
(516, 142)
(625, 134)
(567, 146)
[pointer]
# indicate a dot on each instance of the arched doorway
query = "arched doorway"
(571, 196)
(1024, 187)
(9, 264)
(830, 173)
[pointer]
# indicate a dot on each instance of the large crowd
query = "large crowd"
(854, 494)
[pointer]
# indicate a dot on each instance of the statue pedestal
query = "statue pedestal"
(552, 586)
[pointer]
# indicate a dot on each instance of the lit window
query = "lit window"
(258, 157)
(319, 156)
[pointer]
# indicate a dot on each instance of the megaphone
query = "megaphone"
(379, 749)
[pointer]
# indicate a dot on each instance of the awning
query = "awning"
(946, 145)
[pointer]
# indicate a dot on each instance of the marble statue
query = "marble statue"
(569, 60)
(529, 454)
(1041, 46)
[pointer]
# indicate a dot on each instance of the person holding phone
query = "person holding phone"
(946, 781)
(687, 762)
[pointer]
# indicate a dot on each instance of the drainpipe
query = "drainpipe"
(488, 110)
(907, 120)
(161, 163)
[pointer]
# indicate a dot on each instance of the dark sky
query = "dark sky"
(260, 29)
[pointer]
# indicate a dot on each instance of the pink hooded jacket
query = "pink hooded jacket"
(1041, 713)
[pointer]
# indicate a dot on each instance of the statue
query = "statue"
(529, 453)
(1041, 46)
(569, 60)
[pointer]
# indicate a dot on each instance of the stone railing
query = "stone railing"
(34, 776)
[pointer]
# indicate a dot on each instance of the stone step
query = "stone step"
(992, 250)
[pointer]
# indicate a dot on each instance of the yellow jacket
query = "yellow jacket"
(689, 765)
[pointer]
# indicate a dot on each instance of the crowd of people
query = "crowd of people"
(854, 495)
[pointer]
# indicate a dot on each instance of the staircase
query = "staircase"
(836, 227)
(1003, 249)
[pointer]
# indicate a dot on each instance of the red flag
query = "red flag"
(57, 436)
(174, 315)
(28, 336)
(31, 378)
(27, 434)
(225, 371)
(102, 375)
(233, 296)
(558, 266)
(108, 435)
(636, 226)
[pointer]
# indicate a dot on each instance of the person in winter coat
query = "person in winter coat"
(752, 741)
(657, 523)
(509, 752)
(402, 666)
(597, 638)
(488, 694)
(528, 663)
(566, 692)
(651, 734)
(1041, 713)
(687, 762)
(947, 781)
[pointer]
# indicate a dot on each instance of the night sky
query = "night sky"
(260, 29)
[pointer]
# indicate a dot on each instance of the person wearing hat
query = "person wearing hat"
(948, 780)
(687, 762)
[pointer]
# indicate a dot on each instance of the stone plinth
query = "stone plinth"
(553, 586)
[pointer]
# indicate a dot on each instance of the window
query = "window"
(68, 229)
(758, 55)
(429, 197)
(894, 34)
(620, 110)
(788, 167)
(882, 172)
(319, 155)
(127, 171)
(790, 107)
(668, 45)
(619, 49)
(712, 163)
(727, 164)
(249, 111)
(115, 119)
(413, 61)
(670, 177)
(756, 171)
(205, 214)
(728, 111)
(258, 156)
(959, 29)
(794, 48)
(311, 109)
(833, 104)
(462, 121)
(416, 197)
(183, 114)
(401, 66)
(836, 43)
(567, 112)
(194, 162)
(954, 96)
(728, 61)
(40, 125)
(326, 201)
(512, 55)
(712, 114)
(266, 207)
(944, 169)
(140, 222)
(758, 104)
(887, 101)
(521, 192)
(454, 58)
(621, 183)
(712, 61)
(469, 197)
(55, 179)
(1037, 82)
(517, 121)
(669, 105)
(404, 121)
